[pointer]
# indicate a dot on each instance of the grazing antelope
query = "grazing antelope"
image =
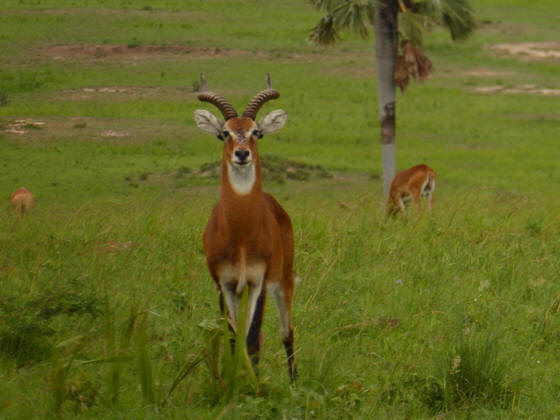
(248, 239)
(411, 184)
(22, 201)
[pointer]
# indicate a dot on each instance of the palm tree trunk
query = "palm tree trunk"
(386, 43)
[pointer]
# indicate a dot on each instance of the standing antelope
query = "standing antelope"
(248, 239)
(22, 201)
(411, 184)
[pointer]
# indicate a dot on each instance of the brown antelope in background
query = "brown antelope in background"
(411, 184)
(248, 239)
(22, 201)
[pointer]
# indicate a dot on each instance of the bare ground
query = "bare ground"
(529, 50)
(484, 72)
(77, 129)
(137, 52)
(523, 89)
(116, 52)
(121, 92)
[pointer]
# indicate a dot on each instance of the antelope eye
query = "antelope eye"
(255, 133)
(225, 134)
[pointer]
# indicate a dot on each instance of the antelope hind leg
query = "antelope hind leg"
(284, 306)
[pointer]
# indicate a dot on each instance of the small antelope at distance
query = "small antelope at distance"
(411, 185)
(22, 201)
(249, 239)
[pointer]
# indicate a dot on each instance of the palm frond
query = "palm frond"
(411, 62)
(402, 77)
(459, 18)
(414, 26)
(456, 15)
(355, 15)
(416, 18)
(326, 5)
(325, 32)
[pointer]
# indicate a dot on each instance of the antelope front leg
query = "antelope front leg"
(430, 203)
(392, 207)
(416, 197)
(232, 299)
(254, 321)
(401, 205)
(224, 312)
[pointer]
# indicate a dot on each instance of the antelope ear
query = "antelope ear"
(272, 121)
(208, 122)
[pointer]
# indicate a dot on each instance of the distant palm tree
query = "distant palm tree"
(407, 21)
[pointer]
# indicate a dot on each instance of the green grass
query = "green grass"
(107, 309)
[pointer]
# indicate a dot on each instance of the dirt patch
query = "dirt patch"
(21, 127)
(276, 171)
(274, 168)
(87, 129)
(526, 89)
(134, 52)
(138, 52)
(484, 72)
(113, 133)
(122, 93)
(106, 90)
(529, 50)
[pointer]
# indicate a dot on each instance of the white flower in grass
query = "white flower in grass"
(483, 285)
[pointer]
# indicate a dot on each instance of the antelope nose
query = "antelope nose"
(242, 154)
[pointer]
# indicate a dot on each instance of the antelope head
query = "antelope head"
(240, 134)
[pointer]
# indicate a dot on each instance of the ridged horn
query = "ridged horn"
(228, 111)
(260, 99)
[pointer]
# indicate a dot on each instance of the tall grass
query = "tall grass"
(237, 369)
(375, 304)
(107, 309)
(117, 353)
(473, 370)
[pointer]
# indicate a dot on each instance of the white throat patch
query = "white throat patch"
(242, 179)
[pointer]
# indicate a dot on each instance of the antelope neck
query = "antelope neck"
(241, 191)
(241, 178)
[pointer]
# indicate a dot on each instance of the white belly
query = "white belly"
(240, 274)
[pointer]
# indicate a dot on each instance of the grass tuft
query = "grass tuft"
(474, 370)
(144, 363)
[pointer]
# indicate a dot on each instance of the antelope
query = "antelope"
(248, 240)
(411, 184)
(22, 201)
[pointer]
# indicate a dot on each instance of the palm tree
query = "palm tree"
(400, 27)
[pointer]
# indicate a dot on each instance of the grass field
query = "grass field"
(106, 306)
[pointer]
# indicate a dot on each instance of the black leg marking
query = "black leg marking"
(222, 305)
(289, 345)
(254, 337)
